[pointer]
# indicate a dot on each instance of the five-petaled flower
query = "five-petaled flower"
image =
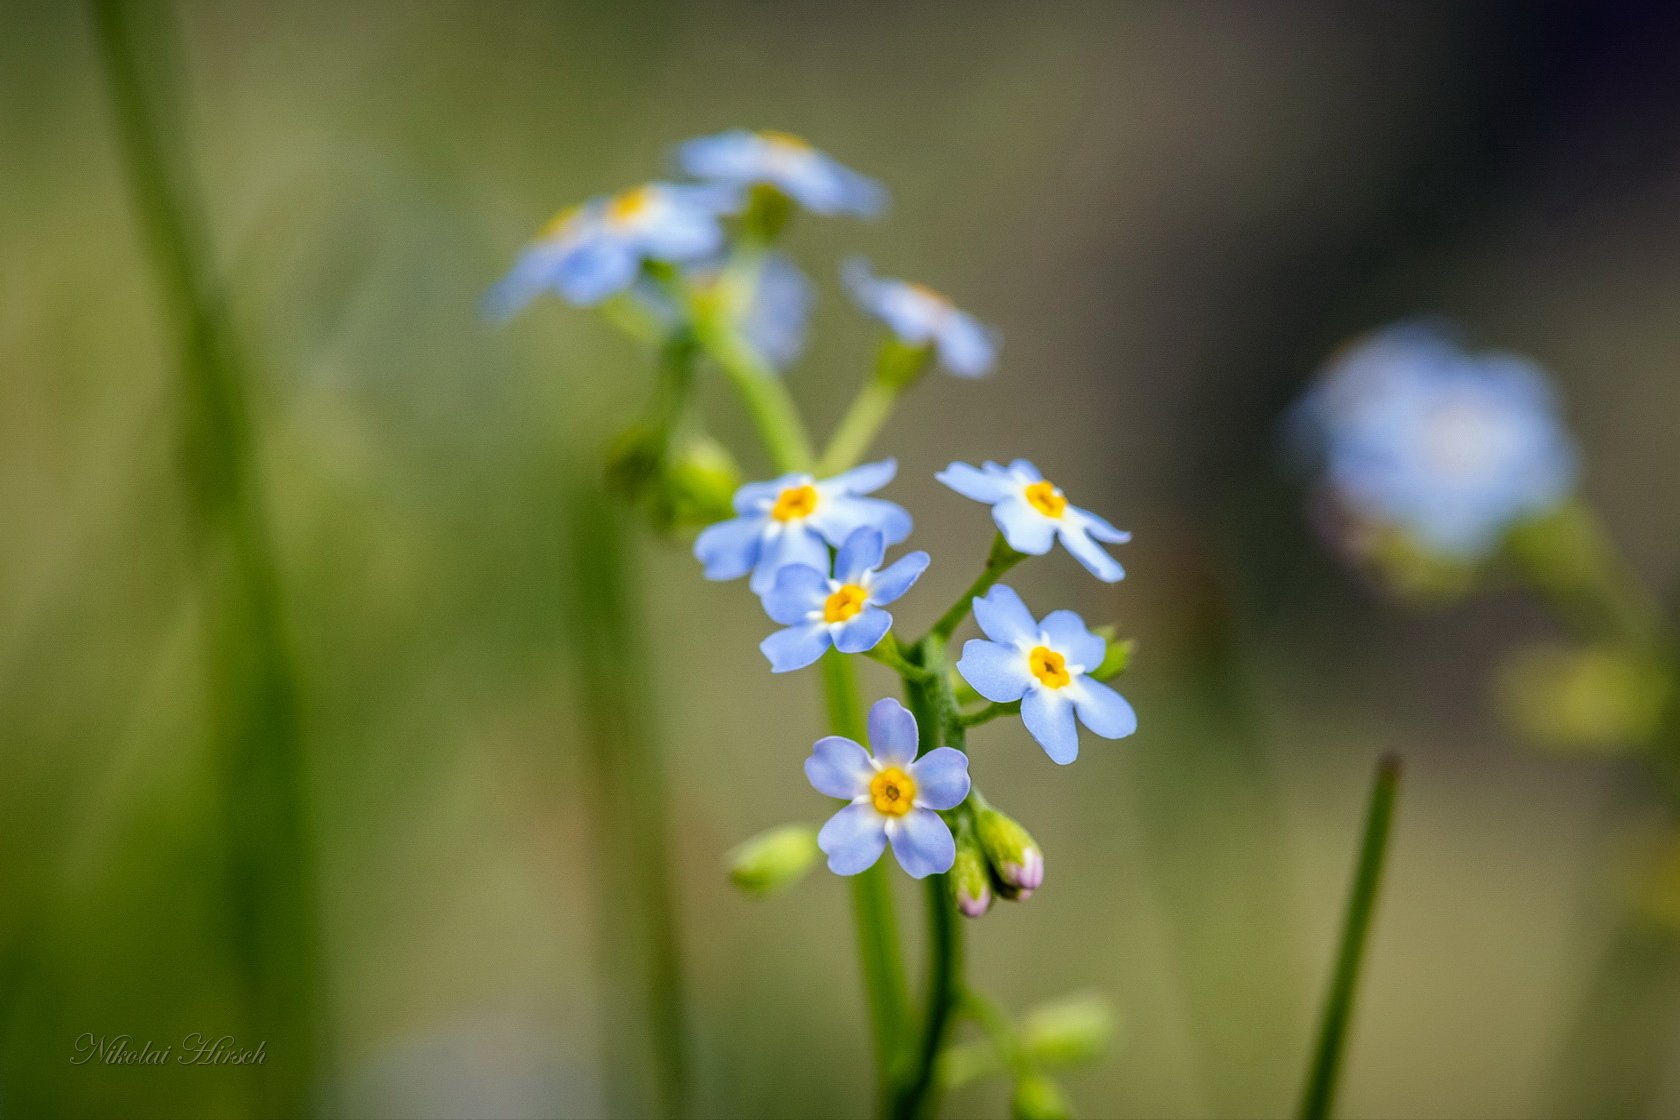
(843, 610)
(794, 520)
(811, 178)
(597, 250)
(894, 796)
(921, 316)
(1451, 447)
(1033, 514)
(1043, 664)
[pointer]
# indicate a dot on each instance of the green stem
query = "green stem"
(1571, 562)
(1001, 559)
(857, 428)
(762, 392)
(938, 723)
(990, 712)
(872, 902)
(636, 895)
(1320, 1091)
(273, 903)
(889, 654)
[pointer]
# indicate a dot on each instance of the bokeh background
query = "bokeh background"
(1172, 211)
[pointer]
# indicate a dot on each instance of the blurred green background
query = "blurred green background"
(1172, 211)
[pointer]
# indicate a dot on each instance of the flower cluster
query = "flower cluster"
(1416, 435)
(694, 269)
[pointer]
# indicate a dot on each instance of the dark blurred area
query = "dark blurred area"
(1173, 212)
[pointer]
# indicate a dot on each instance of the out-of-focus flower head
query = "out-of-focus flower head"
(597, 250)
(1414, 433)
(794, 520)
(843, 611)
(895, 796)
(1033, 513)
(1043, 663)
(920, 316)
(769, 304)
(811, 178)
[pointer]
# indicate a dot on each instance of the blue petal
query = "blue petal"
(1102, 709)
(966, 348)
(923, 844)
(862, 632)
(1089, 553)
(838, 517)
(1099, 527)
(971, 482)
(531, 275)
(853, 838)
(1069, 637)
(730, 549)
(777, 317)
(861, 552)
(1049, 716)
(941, 778)
(865, 479)
(795, 647)
(999, 673)
(1026, 529)
(1024, 469)
(1003, 617)
(892, 732)
(796, 591)
(839, 767)
(596, 268)
(891, 582)
(795, 544)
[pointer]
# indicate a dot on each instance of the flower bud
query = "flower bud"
(774, 859)
(1016, 859)
(971, 879)
(1038, 1098)
(700, 482)
(1068, 1031)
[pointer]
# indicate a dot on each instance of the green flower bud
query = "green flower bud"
(971, 878)
(1016, 859)
(1075, 1029)
(700, 481)
(1038, 1098)
(774, 859)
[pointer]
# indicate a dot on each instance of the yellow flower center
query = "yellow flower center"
(630, 205)
(1049, 667)
(892, 791)
(795, 502)
(785, 140)
(1046, 499)
(844, 604)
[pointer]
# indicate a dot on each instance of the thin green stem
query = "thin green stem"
(998, 1029)
(1571, 562)
(885, 988)
(939, 725)
(857, 428)
(889, 654)
(1320, 1092)
(762, 393)
(1001, 559)
(990, 712)
(273, 904)
(636, 896)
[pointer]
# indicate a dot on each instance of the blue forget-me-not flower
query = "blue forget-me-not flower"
(923, 317)
(1450, 447)
(1033, 513)
(794, 520)
(811, 178)
(770, 305)
(1042, 663)
(842, 610)
(894, 796)
(596, 250)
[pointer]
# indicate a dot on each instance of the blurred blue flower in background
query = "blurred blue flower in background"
(811, 178)
(1042, 663)
(597, 250)
(1452, 448)
(1033, 513)
(923, 317)
(794, 519)
(843, 610)
(769, 303)
(894, 796)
